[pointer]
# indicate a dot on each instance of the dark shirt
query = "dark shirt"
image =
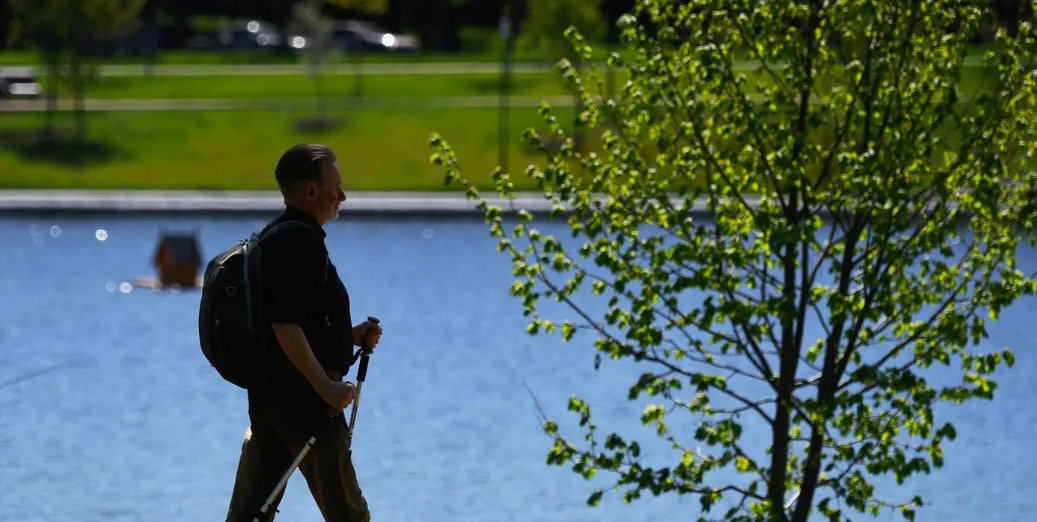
(300, 286)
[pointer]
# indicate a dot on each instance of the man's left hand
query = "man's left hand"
(366, 335)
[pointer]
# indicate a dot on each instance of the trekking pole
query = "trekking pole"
(361, 374)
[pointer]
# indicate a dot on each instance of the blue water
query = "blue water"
(108, 412)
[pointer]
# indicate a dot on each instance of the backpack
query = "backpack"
(230, 311)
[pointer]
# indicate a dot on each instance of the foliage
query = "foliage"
(547, 20)
(865, 216)
(63, 24)
(63, 31)
(367, 6)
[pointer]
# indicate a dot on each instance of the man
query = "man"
(311, 340)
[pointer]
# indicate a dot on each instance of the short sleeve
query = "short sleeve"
(293, 266)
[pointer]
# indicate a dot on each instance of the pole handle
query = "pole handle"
(365, 356)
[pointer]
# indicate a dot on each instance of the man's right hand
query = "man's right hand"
(338, 394)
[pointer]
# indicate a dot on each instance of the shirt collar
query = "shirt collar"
(295, 214)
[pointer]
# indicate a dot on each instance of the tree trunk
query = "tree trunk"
(80, 108)
(54, 72)
(358, 77)
(78, 90)
(322, 97)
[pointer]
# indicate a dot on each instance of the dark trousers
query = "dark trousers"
(267, 454)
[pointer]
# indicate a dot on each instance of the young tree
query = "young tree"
(369, 7)
(310, 23)
(866, 211)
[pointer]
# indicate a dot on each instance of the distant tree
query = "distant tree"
(88, 21)
(6, 18)
(546, 29)
(368, 7)
(309, 22)
(64, 32)
(866, 209)
(39, 23)
(547, 21)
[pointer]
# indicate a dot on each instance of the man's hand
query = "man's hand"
(338, 394)
(366, 335)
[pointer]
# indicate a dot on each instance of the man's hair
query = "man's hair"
(301, 164)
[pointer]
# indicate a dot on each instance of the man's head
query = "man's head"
(308, 177)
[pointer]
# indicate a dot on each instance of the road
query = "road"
(204, 105)
(372, 69)
(367, 69)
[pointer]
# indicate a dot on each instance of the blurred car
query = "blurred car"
(238, 35)
(19, 82)
(366, 37)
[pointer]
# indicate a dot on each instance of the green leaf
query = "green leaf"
(595, 498)
(742, 464)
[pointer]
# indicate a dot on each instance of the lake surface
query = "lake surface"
(109, 412)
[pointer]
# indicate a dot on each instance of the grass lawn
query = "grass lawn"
(379, 150)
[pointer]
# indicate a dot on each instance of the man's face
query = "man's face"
(328, 195)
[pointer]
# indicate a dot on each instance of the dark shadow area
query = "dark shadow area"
(119, 82)
(584, 139)
(520, 83)
(317, 125)
(553, 144)
(59, 147)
